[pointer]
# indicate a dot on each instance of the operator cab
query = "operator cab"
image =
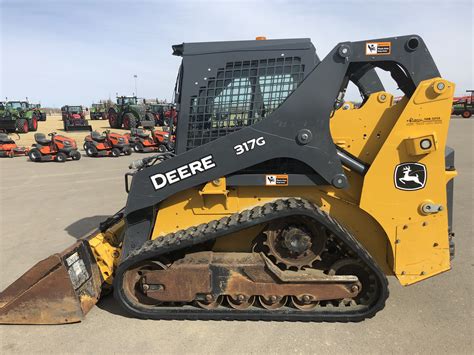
(127, 100)
(17, 105)
(222, 87)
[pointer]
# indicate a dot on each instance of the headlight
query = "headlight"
(67, 143)
(121, 140)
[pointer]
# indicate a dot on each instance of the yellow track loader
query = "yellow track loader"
(282, 202)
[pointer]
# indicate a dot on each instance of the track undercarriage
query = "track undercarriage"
(303, 266)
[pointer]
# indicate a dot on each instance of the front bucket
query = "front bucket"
(59, 289)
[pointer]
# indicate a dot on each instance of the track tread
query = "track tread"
(202, 233)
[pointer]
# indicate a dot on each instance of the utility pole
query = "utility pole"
(135, 77)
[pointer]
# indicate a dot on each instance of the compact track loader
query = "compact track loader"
(279, 204)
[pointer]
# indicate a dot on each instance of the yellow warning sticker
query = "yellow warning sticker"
(276, 180)
(378, 48)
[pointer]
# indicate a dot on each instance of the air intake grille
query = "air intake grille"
(240, 95)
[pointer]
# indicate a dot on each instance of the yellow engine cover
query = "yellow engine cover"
(386, 209)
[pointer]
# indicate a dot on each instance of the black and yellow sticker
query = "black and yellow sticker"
(378, 48)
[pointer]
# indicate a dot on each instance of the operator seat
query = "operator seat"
(40, 138)
(97, 136)
(139, 132)
(4, 138)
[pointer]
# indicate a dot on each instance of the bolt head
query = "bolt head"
(440, 86)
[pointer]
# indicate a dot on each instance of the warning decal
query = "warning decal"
(276, 180)
(378, 48)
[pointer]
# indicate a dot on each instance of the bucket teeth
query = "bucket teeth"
(59, 289)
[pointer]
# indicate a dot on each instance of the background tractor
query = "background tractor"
(15, 116)
(38, 111)
(129, 112)
(159, 112)
(98, 111)
(464, 106)
(74, 119)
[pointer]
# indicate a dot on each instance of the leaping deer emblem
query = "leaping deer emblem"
(407, 177)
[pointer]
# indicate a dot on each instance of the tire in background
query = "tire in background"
(60, 157)
(115, 152)
(127, 151)
(75, 155)
(34, 155)
(21, 125)
(129, 121)
(33, 124)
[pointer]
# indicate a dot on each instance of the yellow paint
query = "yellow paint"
(427, 113)
(388, 222)
(181, 211)
(106, 249)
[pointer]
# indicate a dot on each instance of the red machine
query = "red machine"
(142, 142)
(8, 147)
(74, 119)
(171, 116)
(165, 139)
(106, 144)
(59, 148)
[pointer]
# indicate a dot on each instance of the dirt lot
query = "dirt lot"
(46, 207)
(54, 123)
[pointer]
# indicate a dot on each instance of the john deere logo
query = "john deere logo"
(410, 176)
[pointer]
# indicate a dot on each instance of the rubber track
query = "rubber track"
(195, 235)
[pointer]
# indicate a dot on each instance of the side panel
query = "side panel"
(402, 179)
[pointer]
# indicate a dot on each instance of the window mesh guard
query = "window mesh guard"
(240, 95)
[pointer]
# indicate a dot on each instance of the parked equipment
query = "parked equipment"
(279, 205)
(74, 119)
(129, 112)
(9, 148)
(106, 144)
(464, 106)
(98, 111)
(59, 148)
(38, 111)
(160, 113)
(16, 116)
(142, 142)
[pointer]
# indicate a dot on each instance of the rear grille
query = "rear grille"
(240, 95)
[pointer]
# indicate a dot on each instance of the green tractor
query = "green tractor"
(129, 112)
(464, 106)
(98, 111)
(38, 111)
(16, 116)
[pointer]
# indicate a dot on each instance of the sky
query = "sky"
(61, 52)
